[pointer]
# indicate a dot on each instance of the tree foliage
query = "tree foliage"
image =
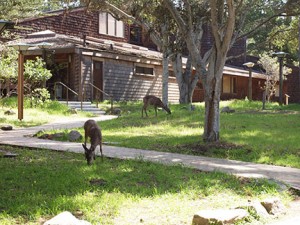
(271, 67)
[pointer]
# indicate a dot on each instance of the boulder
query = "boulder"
(74, 135)
(9, 112)
(273, 206)
(66, 218)
(226, 109)
(219, 217)
(6, 127)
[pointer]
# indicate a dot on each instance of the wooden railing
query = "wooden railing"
(68, 89)
(98, 90)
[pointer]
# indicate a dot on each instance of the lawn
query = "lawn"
(34, 116)
(39, 184)
(268, 136)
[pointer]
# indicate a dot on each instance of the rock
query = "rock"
(219, 217)
(10, 155)
(57, 135)
(6, 127)
(74, 135)
(46, 136)
(226, 109)
(72, 111)
(9, 112)
(116, 111)
(66, 218)
(273, 206)
(257, 208)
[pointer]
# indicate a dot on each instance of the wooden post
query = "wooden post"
(20, 85)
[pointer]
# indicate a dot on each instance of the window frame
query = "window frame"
(108, 25)
(145, 67)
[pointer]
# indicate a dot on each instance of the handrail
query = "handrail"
(103, 92)
(68, 89)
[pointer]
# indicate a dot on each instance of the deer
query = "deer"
(154, 101)
(93, 131)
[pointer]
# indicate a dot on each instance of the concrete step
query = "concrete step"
(86, 106)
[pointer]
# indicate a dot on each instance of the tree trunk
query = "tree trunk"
(213, 81)
(165, 76)
(212, 111)
(186, 85)
(165, 79)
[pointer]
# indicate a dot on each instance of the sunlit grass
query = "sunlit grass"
(250, 134)
(39, 184)
(34, 116)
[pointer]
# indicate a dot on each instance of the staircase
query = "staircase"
(86, 107)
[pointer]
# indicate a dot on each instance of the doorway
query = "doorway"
(98, 80)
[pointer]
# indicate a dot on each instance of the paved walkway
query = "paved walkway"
(23, 137)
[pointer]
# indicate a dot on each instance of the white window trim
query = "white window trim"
(144, 74)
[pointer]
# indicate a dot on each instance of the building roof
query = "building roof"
(106, 48)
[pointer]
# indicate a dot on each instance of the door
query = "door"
(98, 80)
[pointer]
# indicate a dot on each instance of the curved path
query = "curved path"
(23, 137)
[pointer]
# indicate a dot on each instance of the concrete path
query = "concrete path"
(23, 137)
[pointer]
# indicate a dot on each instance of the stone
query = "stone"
(72, 111)
(9, 112)
(273, 206)
(57, 135)
(46, 136)
(226, 109)
(257, 208)
(66, 218)
(116, 111)
(6, 127)
(74, 135)
(219, 216)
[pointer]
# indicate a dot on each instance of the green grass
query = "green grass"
(42, 114)
(250, 134)
(39, 184)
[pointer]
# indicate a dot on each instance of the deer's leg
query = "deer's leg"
(155, 108)
(145, 109)
(85, 138)
(101, 150)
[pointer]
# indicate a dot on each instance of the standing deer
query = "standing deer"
(156, 102)
(92, 130)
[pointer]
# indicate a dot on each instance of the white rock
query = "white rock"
(66, 218)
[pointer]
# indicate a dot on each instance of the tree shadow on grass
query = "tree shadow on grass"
(43, 183)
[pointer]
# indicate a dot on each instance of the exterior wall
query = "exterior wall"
(121, 82)
(241, 90)
(86, 76)
(75, 22)
(293, 86)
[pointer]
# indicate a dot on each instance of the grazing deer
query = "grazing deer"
(92, 130)
(156, 102)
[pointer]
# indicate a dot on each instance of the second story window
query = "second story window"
(108, 25)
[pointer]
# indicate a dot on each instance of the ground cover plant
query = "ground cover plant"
(39, 184)
(249, 134)
(33, 116)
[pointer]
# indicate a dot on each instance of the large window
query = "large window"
(229, 84)
(110, 26)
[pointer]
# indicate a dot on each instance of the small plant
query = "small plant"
(39, 97)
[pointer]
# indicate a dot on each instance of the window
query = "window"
(135, 34)
(142, 70)
(110, 26)
(229, 84)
